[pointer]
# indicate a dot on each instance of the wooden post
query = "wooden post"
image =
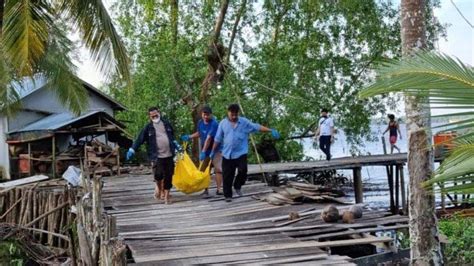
(389, 177)
(29, 158)
(397, 188)
(391, 188)
(402, 186)
(358, 189)
(53, 161)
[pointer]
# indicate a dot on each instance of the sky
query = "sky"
(459, 43)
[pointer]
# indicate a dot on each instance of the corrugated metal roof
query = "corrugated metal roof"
(54, 122)
(28, 85)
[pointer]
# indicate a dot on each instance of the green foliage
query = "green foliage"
(403, 239)
(289, 59)
(460, 233)
(11, 254)
(34, 43)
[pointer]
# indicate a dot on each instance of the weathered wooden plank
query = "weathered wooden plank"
(280, 246)
(23, 181)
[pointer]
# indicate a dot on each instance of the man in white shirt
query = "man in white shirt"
(325, 133)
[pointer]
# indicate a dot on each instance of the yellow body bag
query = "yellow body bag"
(187, 178)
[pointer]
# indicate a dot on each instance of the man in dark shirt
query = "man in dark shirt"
(161, 146)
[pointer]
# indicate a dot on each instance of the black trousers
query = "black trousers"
(228, 173)
(163, 169)
(325, 146)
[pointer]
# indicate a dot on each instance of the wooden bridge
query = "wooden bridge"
(193, 230)
(394, 164)
(321, 165)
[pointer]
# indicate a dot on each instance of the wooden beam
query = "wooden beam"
(358, 187)
(23, 181)
(403, 190)
(390, 188)
(53, 153)
(397, 188)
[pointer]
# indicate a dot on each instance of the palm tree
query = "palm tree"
(449, 85)
(34, 42)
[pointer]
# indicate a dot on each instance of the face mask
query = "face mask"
(156, 120)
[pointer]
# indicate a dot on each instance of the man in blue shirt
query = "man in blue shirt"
(233, 134)
(206, 131)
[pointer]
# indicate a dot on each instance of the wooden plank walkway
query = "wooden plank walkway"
(336, 163)
(193, 230)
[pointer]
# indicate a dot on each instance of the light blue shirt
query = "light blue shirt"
(235, 141)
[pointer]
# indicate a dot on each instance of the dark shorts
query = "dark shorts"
(163, 169)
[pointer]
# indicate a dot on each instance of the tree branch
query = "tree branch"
(234, 30)
(219, 22)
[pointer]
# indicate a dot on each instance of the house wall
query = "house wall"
(45, 100)
(24, 118)
(4, 159)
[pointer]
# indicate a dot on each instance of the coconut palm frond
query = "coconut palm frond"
(90, 17)
(425, 74)
(60, 72)
(25, 33)
(9, 98)
(457, 168)
(447, 83)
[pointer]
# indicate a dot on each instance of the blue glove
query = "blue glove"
(177, 146)
(212, 155)
(130, 154)
(275, 134)
(185, 138)
(202, 156)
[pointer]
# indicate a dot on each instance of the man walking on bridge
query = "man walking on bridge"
(161, 146)
(206, 132)
(233, 133)
(325, 132)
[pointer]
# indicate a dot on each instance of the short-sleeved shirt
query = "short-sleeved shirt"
(162, 141)
(207, 130)
(235, 140)
(325, 125)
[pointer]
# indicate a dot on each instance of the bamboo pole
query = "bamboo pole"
(48, 213)
(10, 209)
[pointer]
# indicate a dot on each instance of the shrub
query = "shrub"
(460, 233)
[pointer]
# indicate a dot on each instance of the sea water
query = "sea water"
(373, 176)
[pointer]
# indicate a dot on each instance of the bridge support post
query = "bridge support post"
(391, 187)
(358, 189)
(397, 188)
(403, 190)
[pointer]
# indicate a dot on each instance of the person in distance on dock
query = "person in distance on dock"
(206, 132)
(161, 147)
(393, 129)
(325, 133)
(233, 133)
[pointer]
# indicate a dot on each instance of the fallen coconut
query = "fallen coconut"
(348, 217)
(330, 214)
(356, 210)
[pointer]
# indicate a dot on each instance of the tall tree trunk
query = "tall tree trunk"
(215, 70)
(425, 246)
(2, 9)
